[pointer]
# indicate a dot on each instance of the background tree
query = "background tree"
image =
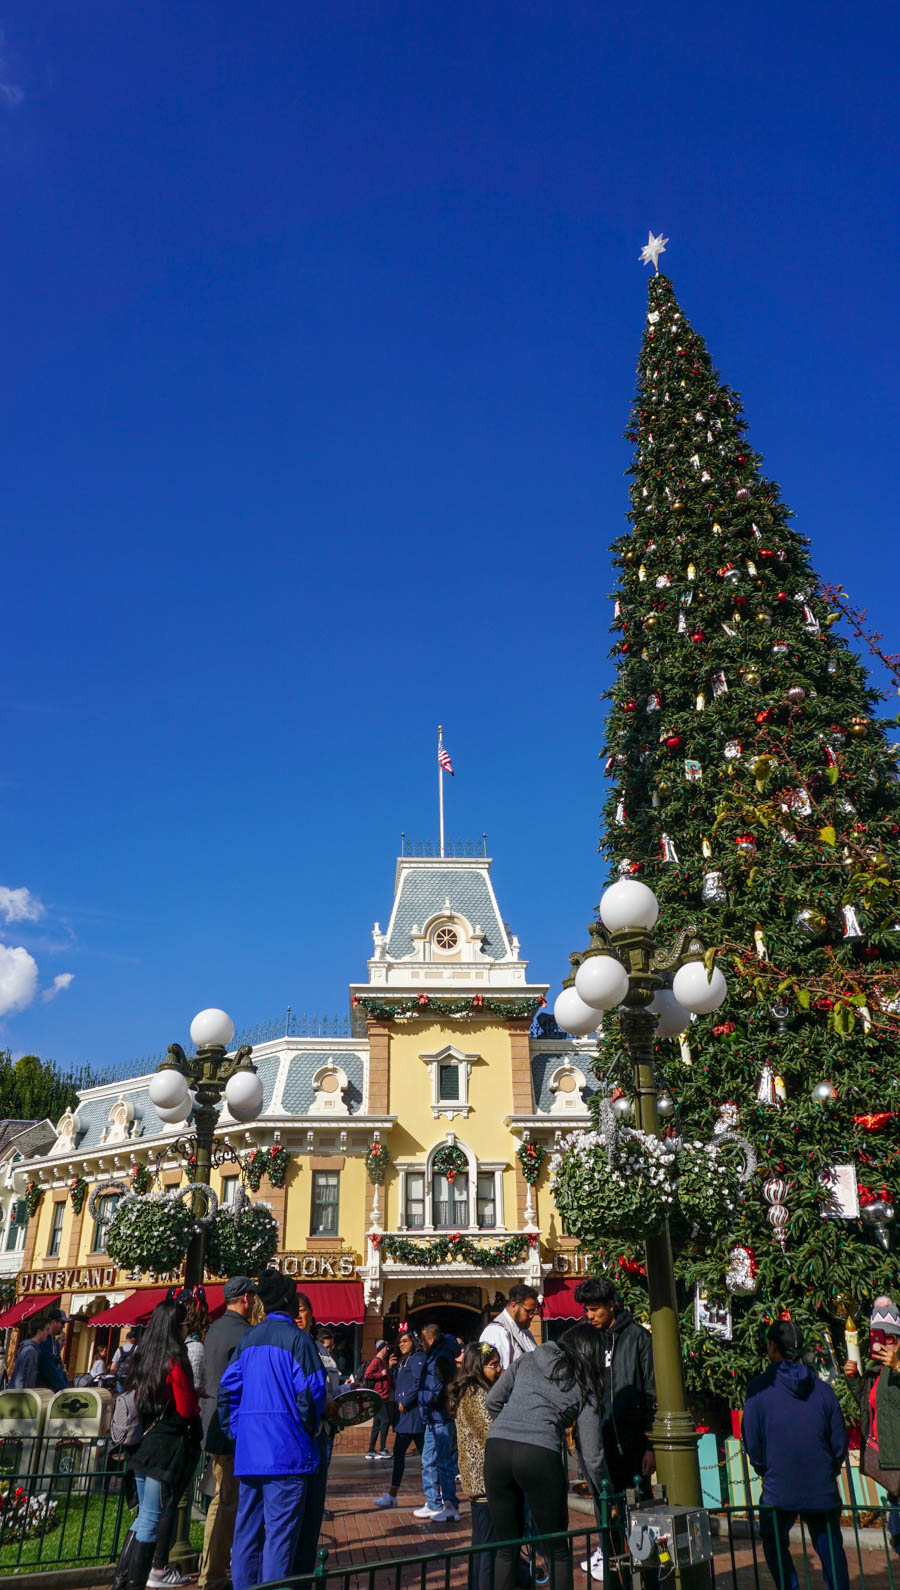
(753, 789)
(32, 1089)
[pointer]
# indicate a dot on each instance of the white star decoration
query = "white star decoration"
(652, 249)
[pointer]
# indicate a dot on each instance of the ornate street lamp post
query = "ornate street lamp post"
(184, 1084)
(625, 968)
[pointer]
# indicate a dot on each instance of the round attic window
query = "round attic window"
(446, 939)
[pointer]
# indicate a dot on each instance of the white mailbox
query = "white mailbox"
(77, 1420)
(22, 1418)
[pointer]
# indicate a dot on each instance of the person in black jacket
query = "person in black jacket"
(409, 1426)
(160, 1378)
(614, 1441)
(438, 1463)
(221, 1340)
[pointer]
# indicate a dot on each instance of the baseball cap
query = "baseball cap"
(380, 1344)
(238, 1286)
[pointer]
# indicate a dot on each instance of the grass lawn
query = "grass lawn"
(85, 1533)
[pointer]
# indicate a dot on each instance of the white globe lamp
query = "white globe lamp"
(698, 992)
(212, 1028)
(671, 1018)
(573, 1015)
(601, 981)
(168, 1090)
(628, 904)
(244, 1095)
(178, 1112)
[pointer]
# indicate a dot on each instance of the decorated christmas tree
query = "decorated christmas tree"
(754, 790)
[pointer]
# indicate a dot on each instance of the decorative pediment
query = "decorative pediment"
(450, 1070)
(122, 1124)
(329, 1085)
(567, 1086)
(67, 1129)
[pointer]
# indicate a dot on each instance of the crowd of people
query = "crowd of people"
(253, 1395)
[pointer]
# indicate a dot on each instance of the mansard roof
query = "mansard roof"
(427, 888)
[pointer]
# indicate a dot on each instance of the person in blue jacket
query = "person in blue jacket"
(271, 1401)
(795, 1437)
(409, 1426)
(438, 1463)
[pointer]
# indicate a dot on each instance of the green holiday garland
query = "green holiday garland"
(34, 1193)
(377, 1161)
(442, 1249)
(449, 1161)
(273, 1162)
(531, 1157)
(77, 1193)
(425, 1005)
(141, 1178)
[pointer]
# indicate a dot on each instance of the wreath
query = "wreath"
(34, 1193)
(141, 1179)
(449, 1161)
(241, 1240)
(531, 1157)
(150, 1233)
(377, 1161)
(77, 1193)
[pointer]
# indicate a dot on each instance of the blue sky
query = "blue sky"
(320, 333)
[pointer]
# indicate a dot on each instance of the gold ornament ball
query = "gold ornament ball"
(751, 677)
(629, 557)
(763, 617)
(859, 727)
(651, 621)
(663, 789)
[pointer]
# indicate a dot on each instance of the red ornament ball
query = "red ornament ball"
(698, 636)
(764, 716)
(674, 743)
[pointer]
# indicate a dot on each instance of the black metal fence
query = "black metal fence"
(62, 1501)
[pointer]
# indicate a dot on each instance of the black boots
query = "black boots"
(120, 1577)
(140, 1562)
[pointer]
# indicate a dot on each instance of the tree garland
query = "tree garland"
(77, 1193)
(141, 1179)
(449, 1161)
(34, 1194)
(273, 1162)
(531, 1157)
(457, 1247)
(377, 1162)
(428, 1005)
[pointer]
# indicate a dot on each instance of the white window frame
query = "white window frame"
(414, 1167)
(450, 1055)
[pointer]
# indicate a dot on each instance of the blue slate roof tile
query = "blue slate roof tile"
(542, 1069)
(423, 891)
(297, 1095)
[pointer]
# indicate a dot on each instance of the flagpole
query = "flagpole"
(441, 785)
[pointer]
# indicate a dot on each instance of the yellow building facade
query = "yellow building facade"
(448, 1071)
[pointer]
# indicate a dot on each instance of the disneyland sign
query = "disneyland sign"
(98, 1278)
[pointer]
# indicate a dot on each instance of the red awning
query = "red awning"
(135, 1309)
(559, 1298)
(335, 1302)
(27, 1306)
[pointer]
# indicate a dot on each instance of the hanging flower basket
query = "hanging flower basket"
(620, 1194)
(241, 1242)
(34, 1194)
(77, 1193)
(150, 1233)
(709, 1186)
(531, 1157)
(449, 1161)
(141, 1179)
(377, 1161)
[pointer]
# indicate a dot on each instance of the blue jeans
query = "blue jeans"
(267, 1528)
(825, 1534)
(438, 1467)
(892, 1522)
(150, 1506)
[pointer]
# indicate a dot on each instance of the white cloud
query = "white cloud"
(19, 905)
(18, 978)
(62, 981)
(12, 93)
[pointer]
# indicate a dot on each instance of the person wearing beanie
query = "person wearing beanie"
(795, 1437)
(877, 1390)
(272, 1398)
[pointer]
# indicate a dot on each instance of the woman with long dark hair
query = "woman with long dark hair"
(409, 1426)
(531, 1406)
(467, 1404)
(162, 1388)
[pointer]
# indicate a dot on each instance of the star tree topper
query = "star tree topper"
(652, 249)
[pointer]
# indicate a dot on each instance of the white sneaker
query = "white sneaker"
(596, 1566)
(370, 1457)
(383, 1457)
(427, 1512)
(387, 1500)
(446, 1515)
(167, 1577)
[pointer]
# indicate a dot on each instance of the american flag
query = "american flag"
(444, 759)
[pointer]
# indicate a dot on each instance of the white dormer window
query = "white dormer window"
(329, 1086)
(567, 1086)
(450, 1071)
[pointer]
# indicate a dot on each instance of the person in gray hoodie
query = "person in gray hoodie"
(531, 1406)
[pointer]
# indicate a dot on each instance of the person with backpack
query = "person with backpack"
(377, 1376)
(409, 1425)
(438, 1463)
(25, 1371)
(222, 1339)
(794, 1435)
(166, 1406)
